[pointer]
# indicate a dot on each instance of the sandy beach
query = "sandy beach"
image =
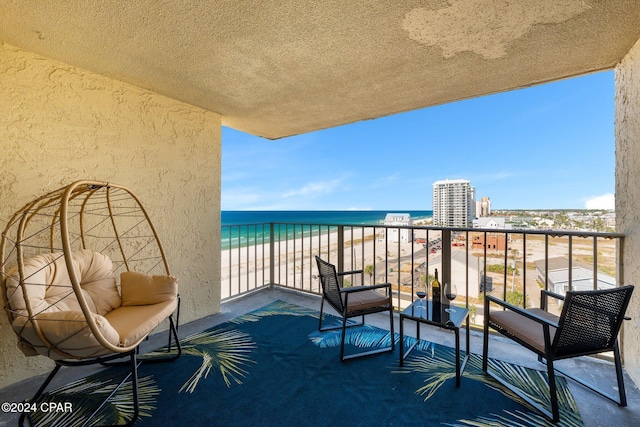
(246, 268)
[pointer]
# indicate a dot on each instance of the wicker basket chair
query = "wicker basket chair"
(85, 279)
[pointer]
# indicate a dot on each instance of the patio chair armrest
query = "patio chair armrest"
(544, 294)
(352, 289)
(344, 273)
(520, 311)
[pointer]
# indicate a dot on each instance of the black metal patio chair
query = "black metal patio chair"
(588, 324)
(353, 302)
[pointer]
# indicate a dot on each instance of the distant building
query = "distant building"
(581, 276)
(396, 235)
(463, 266)
(492, 241)
(453, 203)
(491, 222)
(544, 223)
(609, 220)
(483, 207)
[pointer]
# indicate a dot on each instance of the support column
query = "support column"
(627, 132)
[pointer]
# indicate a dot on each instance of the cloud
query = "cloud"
(495, 176)
(265, 196)
(606, 201)
(314, 188)
(240, 198)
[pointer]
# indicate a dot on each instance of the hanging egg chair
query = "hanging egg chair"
(85, 279)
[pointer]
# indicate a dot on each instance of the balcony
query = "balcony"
(511, 264)
(262, 263)
(276, 100)
(594, 410)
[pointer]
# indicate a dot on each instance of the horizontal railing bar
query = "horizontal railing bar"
(552, 233)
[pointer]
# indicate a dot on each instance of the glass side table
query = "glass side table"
(434, 314)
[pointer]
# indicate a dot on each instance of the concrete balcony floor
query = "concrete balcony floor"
(594, 409)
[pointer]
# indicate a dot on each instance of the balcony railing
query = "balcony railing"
(511, 264)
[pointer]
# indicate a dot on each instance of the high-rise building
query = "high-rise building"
(483, 207)
(453, 203)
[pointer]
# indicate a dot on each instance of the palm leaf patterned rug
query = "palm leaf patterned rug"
(272, 367)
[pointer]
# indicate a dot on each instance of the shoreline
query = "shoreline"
(251, 235)
(247, 267)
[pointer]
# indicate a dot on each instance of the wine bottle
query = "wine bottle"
(436, 292)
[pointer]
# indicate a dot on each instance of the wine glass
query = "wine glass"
(450, 291)
(422, 295)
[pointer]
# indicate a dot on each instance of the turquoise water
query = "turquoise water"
(251, 227)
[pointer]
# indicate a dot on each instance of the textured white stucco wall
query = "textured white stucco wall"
(628, 195)
(59, 124)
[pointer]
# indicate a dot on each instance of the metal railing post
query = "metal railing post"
(272, 255)
(445, 274)
(620, 263)
(340, 262)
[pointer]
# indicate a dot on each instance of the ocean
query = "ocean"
(242, 227)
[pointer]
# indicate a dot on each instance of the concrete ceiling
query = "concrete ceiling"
(284, 67)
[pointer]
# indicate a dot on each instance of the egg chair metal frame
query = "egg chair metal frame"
(60, 253)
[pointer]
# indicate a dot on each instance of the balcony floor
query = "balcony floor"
(595, 410)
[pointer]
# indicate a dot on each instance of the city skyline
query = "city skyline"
(546, 147)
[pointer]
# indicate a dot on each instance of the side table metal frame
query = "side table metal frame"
(460, 365)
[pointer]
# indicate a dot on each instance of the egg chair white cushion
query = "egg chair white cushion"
(57, 326)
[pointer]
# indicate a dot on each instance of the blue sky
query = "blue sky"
(546, 147)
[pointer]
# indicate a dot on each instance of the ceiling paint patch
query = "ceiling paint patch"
(485, 27)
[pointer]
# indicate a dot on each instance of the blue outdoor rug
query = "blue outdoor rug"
(272, 367)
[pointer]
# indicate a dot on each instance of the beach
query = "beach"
(246, 268)
(400, 263)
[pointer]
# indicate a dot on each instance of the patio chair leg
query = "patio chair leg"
(174, 325)
(333, 328)
(376, 350)
(553, 393)
(619, 375)
(133, 377)
(321, 314)
(35, 397)
(173, 330)
(344, 332)
(134, 383)
(391, 331)
(485, 338)
(173, 333)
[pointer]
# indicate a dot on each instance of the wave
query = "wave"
(253, 227)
